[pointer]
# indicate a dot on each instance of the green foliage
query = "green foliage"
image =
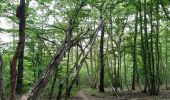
(47, 24)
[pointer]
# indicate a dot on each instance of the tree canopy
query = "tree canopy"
(54, 49)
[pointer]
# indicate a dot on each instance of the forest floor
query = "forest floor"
(123, 95)
(93, 94)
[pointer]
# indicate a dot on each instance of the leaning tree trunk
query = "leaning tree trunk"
(21, 16)
(91, 43)
(52, 66)
(1, 79)
(55, 61)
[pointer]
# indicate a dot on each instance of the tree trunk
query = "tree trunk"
(67, 73)
(145, 50)
(53, 85)
(77, 53)
(53, 65)
(1, 79)
(152, 69)
(92, 75)
(120, 64)
(166, 61)
(20, 73)
(157, 50)
(101, 85)
(125, 68)
(80, 65)
(13, 62)
(134, 52)
(115, 73)
(60, 92)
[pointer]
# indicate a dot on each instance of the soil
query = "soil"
(126, 95)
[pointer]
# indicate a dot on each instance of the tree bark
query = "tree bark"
(77, 80)
(134, 52)
(20, 73)
(157, 50)
(67, 73)
(52, 66)
(145, 50)
(101, 85)
(53, 85)
(125, 68)
(60, 92)
(13, 62)
(152, 68)
(57, 58)
(1, 79)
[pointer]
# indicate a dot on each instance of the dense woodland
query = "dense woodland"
(84, 49)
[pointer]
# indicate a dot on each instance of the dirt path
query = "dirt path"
(126, 95)
(82, 95)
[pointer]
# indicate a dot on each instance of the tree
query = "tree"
(134, 52)
(101, 85)
(56, 59)
(1, 79)
(66, 42)
(20, 13)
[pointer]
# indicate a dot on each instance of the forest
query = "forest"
(84, 49)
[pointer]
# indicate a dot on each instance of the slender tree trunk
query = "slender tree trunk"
(1, 79)
(81, 64)
(53, 85)
(77, 53)
(134, 52)
(21, 16)
(157, 49)
(20, 73)
(166, 58)
(60, 92)
(120, 65)
(96, 65)
(152, 69)
(19, 87)
(67, 79)
(146, 48)
(115, 72)
(125, 68)
(101, 85)
(115, 84)
(92, 75)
